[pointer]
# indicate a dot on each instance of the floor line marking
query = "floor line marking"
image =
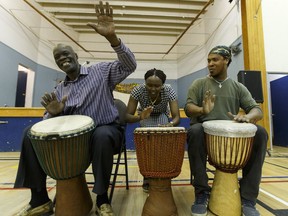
(274, 197)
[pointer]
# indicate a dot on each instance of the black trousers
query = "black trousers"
(249, 184)
(105, 142)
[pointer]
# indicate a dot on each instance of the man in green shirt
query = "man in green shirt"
(217, 97)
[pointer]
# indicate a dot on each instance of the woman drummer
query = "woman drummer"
(156, 101)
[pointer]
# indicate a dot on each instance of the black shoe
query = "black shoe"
(199, 208)
(248, 208)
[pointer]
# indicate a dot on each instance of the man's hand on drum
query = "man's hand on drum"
(241, 118)
(146, 113)
(208, 102)
(52, 105)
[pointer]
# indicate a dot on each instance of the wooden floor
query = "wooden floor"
(272, 200)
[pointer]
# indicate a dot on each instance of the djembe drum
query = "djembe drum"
(160, 152)
(63, 149)
(229, 145)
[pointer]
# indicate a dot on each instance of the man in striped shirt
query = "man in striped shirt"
(85, 91)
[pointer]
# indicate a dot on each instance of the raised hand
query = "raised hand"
(51, 104)
(208, 102)
(105, 25)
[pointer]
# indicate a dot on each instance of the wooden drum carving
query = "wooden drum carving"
(62, 145)
(229, 145)
(160, 152)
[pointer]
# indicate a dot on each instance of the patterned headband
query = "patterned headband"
(222, 50)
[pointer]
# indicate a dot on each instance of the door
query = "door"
(21, 89)
(279, 95)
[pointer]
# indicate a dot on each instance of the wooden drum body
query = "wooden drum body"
(229, 145)
(62, 146)
(160, 152)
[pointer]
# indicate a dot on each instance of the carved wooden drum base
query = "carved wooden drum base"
(160, 201)
(225, 195)
(73, 197)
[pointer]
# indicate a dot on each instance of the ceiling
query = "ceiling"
(152, 29)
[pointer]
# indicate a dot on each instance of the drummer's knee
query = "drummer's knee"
(103, 139)
(100, 135)
(261, 138)
(261, 132)
(195, 132)
(26, 142)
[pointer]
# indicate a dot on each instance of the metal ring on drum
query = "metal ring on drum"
(229, 144)
(62, 146)
(160, 153)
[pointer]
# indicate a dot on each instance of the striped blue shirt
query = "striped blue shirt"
(91, 93)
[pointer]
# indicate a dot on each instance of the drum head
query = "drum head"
(229, 128)
(62, 126)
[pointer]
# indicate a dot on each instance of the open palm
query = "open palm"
(105, 24)
(208, 102)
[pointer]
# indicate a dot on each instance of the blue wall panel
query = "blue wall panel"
(45, 78)
(11, 132)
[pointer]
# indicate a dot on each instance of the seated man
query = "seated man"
(216, 97)
(85, 91)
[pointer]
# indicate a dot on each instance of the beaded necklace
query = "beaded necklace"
(153, 102)
(220, 83)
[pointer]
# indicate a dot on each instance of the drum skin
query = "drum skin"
(229, 145)
(160, 153)
(62, 146)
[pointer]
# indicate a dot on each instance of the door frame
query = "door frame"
(29, 85)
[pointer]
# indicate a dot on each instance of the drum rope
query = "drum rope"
(160, 154)
(228, 154)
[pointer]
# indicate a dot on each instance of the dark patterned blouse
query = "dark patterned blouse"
(161, 111)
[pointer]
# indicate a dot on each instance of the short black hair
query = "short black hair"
(155, 72)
